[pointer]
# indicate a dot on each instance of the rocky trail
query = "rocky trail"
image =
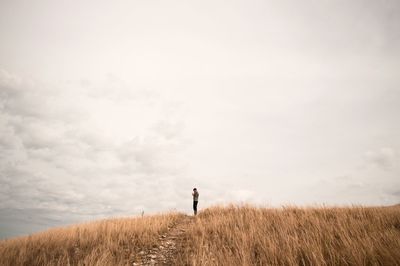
(164, 253)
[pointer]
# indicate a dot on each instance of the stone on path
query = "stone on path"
(165, 251)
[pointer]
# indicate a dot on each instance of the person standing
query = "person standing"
(195, 195)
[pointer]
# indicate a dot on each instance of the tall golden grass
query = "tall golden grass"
(107, 242)
(293, 236)
(233, 235)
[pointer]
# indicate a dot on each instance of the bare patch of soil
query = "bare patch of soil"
(164, 253)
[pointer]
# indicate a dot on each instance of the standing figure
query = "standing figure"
(195, 195)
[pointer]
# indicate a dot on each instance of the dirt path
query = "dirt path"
(168, 246)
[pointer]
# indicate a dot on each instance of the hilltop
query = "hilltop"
(233, 235)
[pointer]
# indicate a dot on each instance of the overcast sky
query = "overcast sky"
(111, 108)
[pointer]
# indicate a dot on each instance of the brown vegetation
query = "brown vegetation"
(107, 242)
(294, 236)
(234, 235)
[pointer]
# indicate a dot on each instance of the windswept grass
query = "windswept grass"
(293, 236)
(107, 242)
(234, 235)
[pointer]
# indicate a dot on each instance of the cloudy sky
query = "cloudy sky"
(113, 108)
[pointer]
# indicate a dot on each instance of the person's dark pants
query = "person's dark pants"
(195, 207)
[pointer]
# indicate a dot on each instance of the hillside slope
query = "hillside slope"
(234, 235)
(106, 242)
(294, 236)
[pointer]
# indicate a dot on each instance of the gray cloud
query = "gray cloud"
(58, 163)
(385, 158)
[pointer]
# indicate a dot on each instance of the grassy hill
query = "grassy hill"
(234, 235)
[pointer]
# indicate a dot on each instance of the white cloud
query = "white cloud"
(71, 151)
(132, 108)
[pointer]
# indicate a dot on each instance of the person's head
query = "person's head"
(195, 189)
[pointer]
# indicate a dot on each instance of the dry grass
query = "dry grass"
(107, 242)
(293, 236)
(235, 235)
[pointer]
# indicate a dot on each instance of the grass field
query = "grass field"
(233, 235)
(106, 242)
(294, 236)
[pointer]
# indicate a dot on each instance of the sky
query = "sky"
(114, 108)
